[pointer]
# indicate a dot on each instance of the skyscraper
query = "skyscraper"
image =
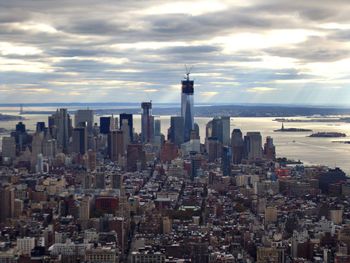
(116, 147)
(147, 122)
(226, 158)
(219, 128)
(253, 145)
(8, 147)
(128, 117)
(136, 158)
(269, 149)
(40, 126)
(80, 140)
(225, 130)
(63, 123)
(176, 130)
(237, 145)
(187, 107)
(84, 116)
(7, 198)
(105, 125)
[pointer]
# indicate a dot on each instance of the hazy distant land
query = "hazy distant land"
(202, 110)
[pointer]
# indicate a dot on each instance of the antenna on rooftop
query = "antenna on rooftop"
(188, 72)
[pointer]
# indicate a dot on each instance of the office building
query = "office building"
(116, 180)
(187, 107)
(106, 124)
(62, 121)
(269, 149)
(129, 118)
(7, 202)
(225, 130)
(25, 245)
(136, 159)
(253, 145)
(100, 182)
(8, 147)
(157, 127)
(219, 128)
(237, 145)
(116, 145)
(86, 117)
(213, 149)
(226, 158)
(80, 140)
(40, 127)
(176, 131)
(147, 123)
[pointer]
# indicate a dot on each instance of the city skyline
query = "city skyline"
(256, 52)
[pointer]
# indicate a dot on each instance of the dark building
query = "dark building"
(226, 158)
(219, 127)
(115, 144)
(105, 124)
(269, 149)
(213, 149)
(80, 140)
(237, 145)
(116, 180)
(176, 135)
(147, 122)
(129, 118)
(196, 161)
(20, 127)
(331, 177)
(187, 108)
(168, 152)
(135, 156)
(40, 126)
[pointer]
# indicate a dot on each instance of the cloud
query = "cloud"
(261, 89)
(270, 50)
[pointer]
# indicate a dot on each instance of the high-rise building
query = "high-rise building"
(196, 162)
(21, 136)
(176, 135)
(136, 158)
(219, 128)
(106, 125)
(91, 162)
(63, 123)
(187, 107)
(269, 149)
(129, 118)
(8, 147)
(157, 129)
(21, 127)
(253, 145)
(213, 149)
(237, 145)
(116, 146)
(147, 123)
(7, 199)
(80, 140)
(168, 152)
(116, 180)
(100, 182)
(226, 158)
(84, 116)
(225, 130)
(40, 126)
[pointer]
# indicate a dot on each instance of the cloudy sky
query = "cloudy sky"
(267, 51)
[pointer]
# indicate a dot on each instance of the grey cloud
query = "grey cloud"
(315, 49)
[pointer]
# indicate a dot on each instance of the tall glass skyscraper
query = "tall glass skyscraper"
(187, 109)
(147, 122)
